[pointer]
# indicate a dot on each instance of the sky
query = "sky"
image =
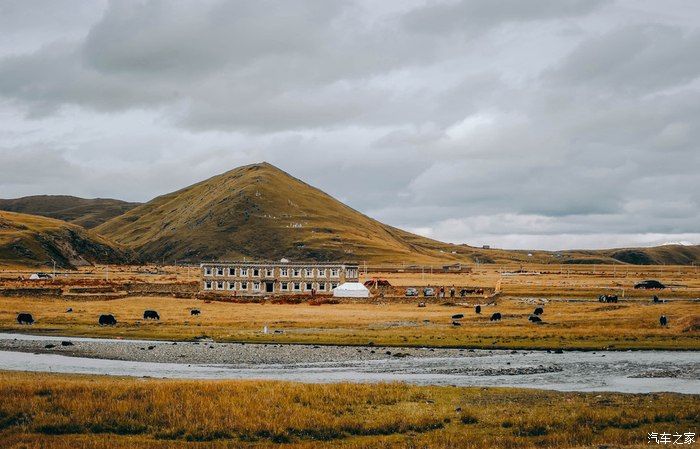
(540, 124)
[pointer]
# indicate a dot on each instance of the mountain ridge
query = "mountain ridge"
(36, 241)
(85, 212)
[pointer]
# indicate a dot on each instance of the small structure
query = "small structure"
(39, 276)
(456, 268)
(351, 290)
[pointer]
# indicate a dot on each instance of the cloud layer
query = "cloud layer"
(548, 123)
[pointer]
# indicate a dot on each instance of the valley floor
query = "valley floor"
(69, 411)
(632, 324)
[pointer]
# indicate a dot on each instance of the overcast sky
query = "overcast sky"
(521, 124)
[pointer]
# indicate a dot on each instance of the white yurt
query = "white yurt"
(351, 290)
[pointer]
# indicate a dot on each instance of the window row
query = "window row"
(258, 286)
(269, 272)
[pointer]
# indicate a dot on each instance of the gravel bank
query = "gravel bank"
(241, 354)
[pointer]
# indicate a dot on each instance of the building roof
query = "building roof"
(275, 263)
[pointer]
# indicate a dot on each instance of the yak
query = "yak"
(25, 318)
(151, 315)
(107, 320)
(496, 316)
(458, 316)
(477, 309)
(539, 311)
(663, 320)
(194, 312)
(535, 319)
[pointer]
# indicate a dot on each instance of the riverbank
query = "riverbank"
(62, 411)
(622, 371)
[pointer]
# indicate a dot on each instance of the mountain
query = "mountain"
(32, 240)
(258, 211)
(87, 213)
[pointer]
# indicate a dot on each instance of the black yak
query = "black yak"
(25, 318)
(458, 316)
(539, 311)
(663, 320)
(107, 320)
(477, 309)
(496, 316)
(535, 319)
(194, 312)
(151, 315)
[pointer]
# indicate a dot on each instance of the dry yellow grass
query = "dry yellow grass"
(577, 324)
(62, 411)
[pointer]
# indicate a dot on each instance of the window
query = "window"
(231, 271)
(297, 286)
(231, 285)
(256, 286)
(207, 271)
(284, 286)
(284, 272)
(296, 272)
(244, 272)
(334, 285)
(244, 285)
(322, 272)
(269, 272)
(352, 273)
(322, 287)
(219, 271)
(309, 272)
(220, 285)
(207, 285)
(334, 272)
(308, 286)
(256, 272)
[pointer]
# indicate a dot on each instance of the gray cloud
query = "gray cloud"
(549, 123)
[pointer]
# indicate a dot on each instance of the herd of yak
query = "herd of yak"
(103, 320)
(110, 320)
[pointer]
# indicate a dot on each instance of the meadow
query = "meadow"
(568, 324)
(70, 411)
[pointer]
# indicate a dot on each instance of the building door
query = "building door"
(269, 287)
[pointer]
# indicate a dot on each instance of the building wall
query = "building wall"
(258, 278)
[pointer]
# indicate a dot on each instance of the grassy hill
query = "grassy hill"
(87, 213)
(34, 241)
(259, 211)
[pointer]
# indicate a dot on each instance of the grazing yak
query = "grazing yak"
(458, 316)
(107, 320)
(496, 316)
(535, 319)
(194, 312)
(655, 299)
(151, 315)
(607, 298)
(663, 320)
(477, 309)
(456, 323)
(25, 318)
(538, 311)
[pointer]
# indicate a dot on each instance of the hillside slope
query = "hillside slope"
(31, 240)
(84, 212)
(259, 211)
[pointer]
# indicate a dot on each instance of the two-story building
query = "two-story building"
(276, 278)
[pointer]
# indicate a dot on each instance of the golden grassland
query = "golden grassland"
(574, 319)
(569, 324)
(70, 411)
